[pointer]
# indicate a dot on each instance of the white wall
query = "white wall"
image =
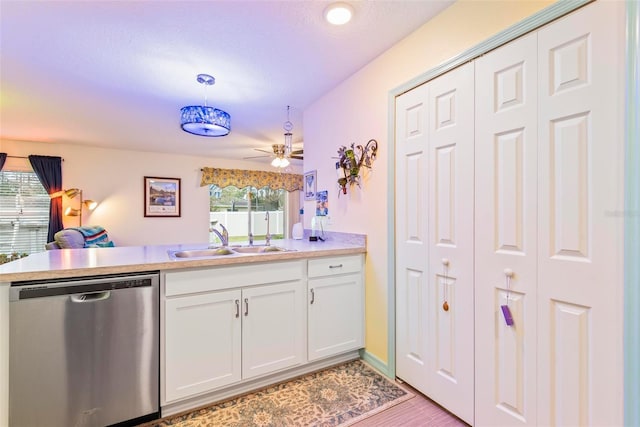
(356, 111)
(115, 179)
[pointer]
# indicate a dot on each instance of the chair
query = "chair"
(80, 237)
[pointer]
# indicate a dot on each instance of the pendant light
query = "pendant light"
(205, 120)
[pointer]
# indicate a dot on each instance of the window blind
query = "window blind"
(24, 213)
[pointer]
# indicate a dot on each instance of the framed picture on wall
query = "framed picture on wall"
(161, 197)
(310, 183)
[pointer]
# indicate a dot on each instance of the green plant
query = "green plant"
(4, 258)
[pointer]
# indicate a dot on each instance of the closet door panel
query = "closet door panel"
(411, 236)
(580, 234)
(505, 234)
(450, 298)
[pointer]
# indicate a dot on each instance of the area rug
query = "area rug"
(337, 396)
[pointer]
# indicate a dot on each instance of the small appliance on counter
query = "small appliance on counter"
(297, 232)
(317, 229)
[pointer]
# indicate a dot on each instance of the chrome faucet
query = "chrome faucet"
(224, 236)
(267, 238)
(249, 217)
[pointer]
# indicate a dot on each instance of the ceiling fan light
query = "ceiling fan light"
(284, 162)
(276, 162)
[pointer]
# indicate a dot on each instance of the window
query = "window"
(229, 206)
(24, 214)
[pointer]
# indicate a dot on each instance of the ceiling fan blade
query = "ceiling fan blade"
(297, 152)
(264, 151)
(254, 157)
(296, 157)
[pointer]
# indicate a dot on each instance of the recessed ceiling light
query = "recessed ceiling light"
(338, 13)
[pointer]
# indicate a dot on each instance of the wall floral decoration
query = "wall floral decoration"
(351, 160)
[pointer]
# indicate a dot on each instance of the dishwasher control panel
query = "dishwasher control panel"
(39, 289)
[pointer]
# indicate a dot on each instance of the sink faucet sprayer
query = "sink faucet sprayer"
(224, 236)
(267, 238)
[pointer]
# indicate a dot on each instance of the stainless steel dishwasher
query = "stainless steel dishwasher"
(84, 352)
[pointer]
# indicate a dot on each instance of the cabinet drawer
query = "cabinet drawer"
(335, 265)
(218, 278)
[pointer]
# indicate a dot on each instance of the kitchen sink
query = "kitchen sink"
(258, 249)
(200, 253)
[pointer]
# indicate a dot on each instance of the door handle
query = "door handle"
(313, 296)
(92, 297)
(246, 306)
(237, 308)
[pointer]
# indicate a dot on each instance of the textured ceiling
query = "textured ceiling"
(116, 73)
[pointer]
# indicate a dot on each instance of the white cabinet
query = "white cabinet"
(202, 343)
(213, 337)
(335, 306)
(273, 328)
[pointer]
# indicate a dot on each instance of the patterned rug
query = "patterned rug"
(337, 396)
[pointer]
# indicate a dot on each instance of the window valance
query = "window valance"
(242, 178)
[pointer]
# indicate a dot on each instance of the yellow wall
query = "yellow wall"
(356, 111)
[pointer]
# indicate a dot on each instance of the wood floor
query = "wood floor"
(416, 412)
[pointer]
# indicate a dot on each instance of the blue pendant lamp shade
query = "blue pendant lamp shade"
(203, 120)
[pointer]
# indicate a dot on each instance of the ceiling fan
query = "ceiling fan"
(282, 152)
(281, 155)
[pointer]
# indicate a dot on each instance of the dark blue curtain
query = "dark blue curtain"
(49, 172)
(3, 157)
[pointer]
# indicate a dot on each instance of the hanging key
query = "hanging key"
(506, 312)
(445, 304)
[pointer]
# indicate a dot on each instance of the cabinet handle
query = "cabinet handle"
(336, 266)
(237, 308)
(246, 306)
(313, 296)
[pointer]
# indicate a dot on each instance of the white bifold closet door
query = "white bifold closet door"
(412, 246)
(434, 263)
(506, 224)
(549, 242)
(580, 226)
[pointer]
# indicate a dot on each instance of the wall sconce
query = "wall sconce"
(352, 160)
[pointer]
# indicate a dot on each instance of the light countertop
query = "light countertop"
(130, 259)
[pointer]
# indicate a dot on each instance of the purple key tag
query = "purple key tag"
(507, 315)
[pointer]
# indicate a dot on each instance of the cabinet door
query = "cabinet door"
(336, 315)
(580, 246)
(201, 343)
(412, 249)
(273, 328)
(506, 234)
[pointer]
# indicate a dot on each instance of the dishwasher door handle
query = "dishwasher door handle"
(91, 297)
